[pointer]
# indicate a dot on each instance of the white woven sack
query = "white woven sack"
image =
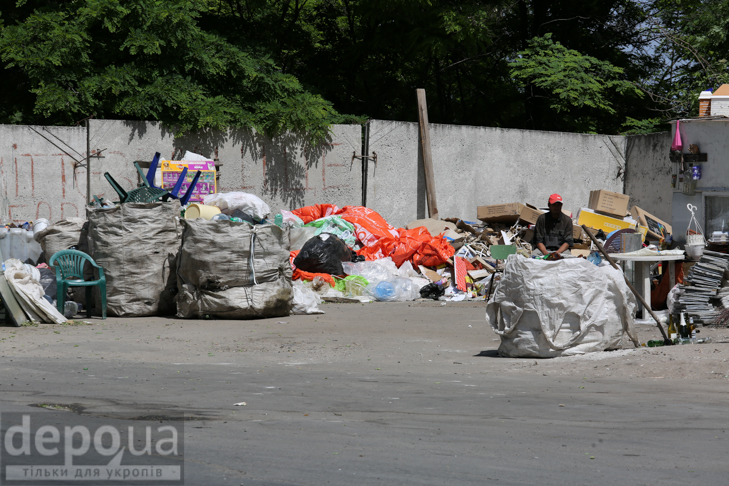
(544, 309)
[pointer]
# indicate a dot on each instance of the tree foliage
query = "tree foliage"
(690, 40)
(590, 65)
(150, 59)
(570, 79)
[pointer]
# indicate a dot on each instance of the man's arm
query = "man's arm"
(543, 249)
(561, 248)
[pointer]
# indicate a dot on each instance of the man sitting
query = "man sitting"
(553, 232)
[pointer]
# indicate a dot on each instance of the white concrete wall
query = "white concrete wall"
(37, 179)
(648, 176)
(473, 166)
(477, 166)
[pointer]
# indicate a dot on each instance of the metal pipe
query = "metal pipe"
(365, 160)
(88, 161)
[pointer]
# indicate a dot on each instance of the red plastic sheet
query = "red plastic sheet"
(302, 275)
(380, 239)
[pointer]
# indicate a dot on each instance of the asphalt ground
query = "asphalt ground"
(398, 393)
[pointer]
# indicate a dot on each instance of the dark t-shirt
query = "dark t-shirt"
(553, 232)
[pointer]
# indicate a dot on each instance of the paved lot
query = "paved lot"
(386, 394)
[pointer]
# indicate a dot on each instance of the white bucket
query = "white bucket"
(40, 225)
(201, 211)
(695, 252)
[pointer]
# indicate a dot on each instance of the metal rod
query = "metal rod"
(630, 285)
(365, 162)
(62, 141)
(56, 145)
(88, 161)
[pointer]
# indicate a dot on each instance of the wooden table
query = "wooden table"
(643, 272)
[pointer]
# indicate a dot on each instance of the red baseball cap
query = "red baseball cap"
(555, 198)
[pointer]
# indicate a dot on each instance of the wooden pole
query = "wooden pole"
(427, 155)
(630, 285)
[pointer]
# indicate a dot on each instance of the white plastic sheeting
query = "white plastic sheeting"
(248, 203)
(24, 280)
(305, 300)
(544, 309)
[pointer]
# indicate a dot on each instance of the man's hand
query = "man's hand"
(562, 248)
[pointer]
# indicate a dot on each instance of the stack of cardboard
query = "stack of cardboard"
(704, 281)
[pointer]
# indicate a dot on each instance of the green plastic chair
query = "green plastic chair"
(69, 265)
(143, 194)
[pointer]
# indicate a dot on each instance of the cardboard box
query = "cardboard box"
(454, 238)
(601, 222)
(582, 253)
(651, 222)
(434, 226)
(509, 213)
(530, 214)
(500, 213)
(610, 203)
(576, 231)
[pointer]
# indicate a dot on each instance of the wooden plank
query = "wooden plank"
(427, 155)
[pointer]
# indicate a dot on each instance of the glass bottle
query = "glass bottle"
(672, 331)
(683, 329)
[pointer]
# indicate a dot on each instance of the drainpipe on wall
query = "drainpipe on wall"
(88, 161)
(365, 159)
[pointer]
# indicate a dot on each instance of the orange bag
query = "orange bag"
(368, 224)
(380, 239)
(415, 245)
(302, 275)
(317, 211)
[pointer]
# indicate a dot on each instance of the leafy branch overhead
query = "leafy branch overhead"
(148, 59)
(605, 66)
(568, 78)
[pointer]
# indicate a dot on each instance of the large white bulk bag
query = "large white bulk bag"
(544, 309)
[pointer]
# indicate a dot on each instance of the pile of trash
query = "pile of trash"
(176, 245)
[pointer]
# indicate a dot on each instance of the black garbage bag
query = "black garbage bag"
(432, 291)
(323, 253)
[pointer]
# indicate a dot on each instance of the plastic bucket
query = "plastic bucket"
(40, 225)
(196, 210)
(695, 252)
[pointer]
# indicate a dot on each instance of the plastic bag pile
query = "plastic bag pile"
(358, 254)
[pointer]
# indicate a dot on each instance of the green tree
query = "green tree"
(690, 39)
(150, 60)
(574, 85)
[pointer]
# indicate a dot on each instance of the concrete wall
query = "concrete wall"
(477, 166)
(38, 180)
(648, 174)
(712, 138)
(473, 166)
